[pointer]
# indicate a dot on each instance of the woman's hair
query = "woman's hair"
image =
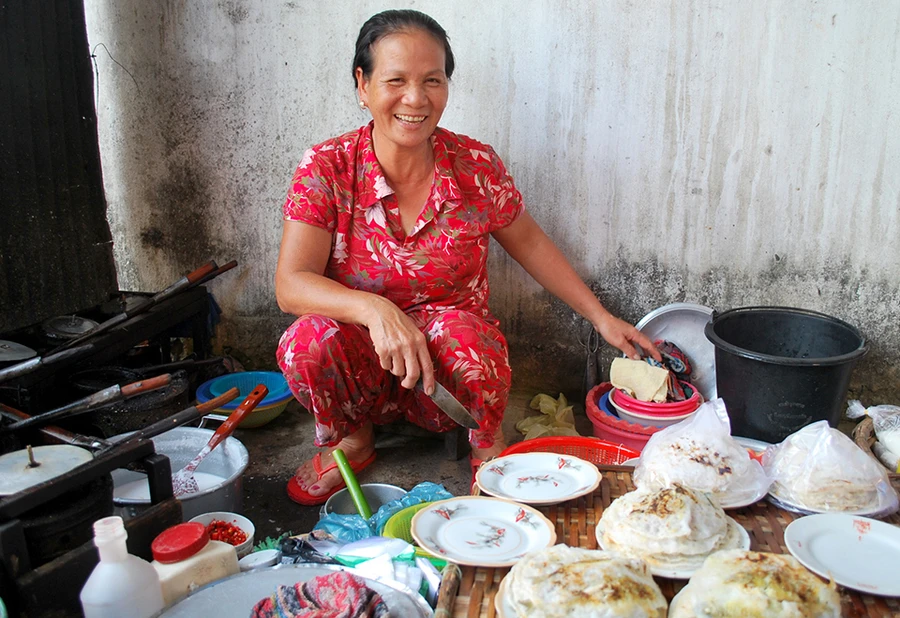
(391, 22)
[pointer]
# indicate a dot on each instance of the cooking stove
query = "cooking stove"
(46, 546)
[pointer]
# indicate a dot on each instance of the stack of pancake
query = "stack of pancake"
(717, 465)
(672, 529)
(818, 468)
(571, 582)
(755, 585)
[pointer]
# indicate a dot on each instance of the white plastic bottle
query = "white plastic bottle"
(121, 585)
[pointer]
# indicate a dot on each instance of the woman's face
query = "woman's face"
(407, 90)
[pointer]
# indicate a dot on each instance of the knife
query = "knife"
(449, 405)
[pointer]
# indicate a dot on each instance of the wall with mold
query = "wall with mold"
(721, 152)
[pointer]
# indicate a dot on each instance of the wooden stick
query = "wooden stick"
(447, 595)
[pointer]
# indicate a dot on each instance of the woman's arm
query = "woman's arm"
(301, 288)
(527, 243)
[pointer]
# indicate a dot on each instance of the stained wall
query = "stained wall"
(720, 152)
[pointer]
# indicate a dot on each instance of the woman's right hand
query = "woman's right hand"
(399, 343)
(302, 288)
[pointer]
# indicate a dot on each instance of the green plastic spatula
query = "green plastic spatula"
(352, 484)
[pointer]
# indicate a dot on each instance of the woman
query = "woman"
(383, 256)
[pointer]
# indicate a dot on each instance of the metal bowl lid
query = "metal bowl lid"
(683, 324)
(10, 351)
(68, 326)
(20, 470)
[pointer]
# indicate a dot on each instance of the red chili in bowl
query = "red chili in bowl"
(219, 530)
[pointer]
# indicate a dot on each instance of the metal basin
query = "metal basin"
(377, 495)
(181, 445)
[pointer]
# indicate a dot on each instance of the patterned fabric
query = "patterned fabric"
(337, 595)
(333, 371)
(437, 275)
(676, 363)
(442, 264)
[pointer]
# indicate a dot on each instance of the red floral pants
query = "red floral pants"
(334, 372)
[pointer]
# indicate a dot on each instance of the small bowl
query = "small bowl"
(646, 420)
(651, 407)
(267, 410)
(235, 520)
(262, 559)
(617, 399)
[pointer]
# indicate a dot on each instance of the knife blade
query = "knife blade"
(449, 405)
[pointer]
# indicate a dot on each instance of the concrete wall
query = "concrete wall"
(723, 152)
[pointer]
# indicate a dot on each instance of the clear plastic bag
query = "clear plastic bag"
(556, 418)
(819, 469)
(886, 420)
(700, 453)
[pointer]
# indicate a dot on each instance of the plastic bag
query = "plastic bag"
(819, 469)
(556, 418)
(349, 528)
(423, 492)
(700, 453)
(886, 420)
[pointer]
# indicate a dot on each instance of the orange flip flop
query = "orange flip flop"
(301, 496)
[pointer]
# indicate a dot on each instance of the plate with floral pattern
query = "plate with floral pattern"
(538, 478)
(481, 531)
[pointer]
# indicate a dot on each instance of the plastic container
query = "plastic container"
(245, 381)
(121, 585)
(611, 428)
(262, 559)
(598, 452)
(647, 420)
(185, 559)
(779, 369)
(399, 526)
(624, 400)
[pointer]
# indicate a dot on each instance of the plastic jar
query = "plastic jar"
(121, 585)
(185, 558)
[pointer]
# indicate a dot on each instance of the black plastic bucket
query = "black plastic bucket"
(779, 369)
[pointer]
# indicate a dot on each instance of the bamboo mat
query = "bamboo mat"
(575, 521)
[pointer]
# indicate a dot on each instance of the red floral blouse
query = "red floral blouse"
(442, 263)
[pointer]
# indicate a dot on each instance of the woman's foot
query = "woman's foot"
(489, 452)
(358, 447)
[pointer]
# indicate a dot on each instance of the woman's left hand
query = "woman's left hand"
(622, 335)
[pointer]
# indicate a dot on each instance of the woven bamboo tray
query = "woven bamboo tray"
(575, 521)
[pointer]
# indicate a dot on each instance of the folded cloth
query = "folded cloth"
(336, 595)
(639, 379)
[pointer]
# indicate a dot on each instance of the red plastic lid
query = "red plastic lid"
(179, 542)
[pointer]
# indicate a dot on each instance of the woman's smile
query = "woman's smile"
(407, 90)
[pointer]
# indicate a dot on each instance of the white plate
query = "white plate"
(743, 543)
(538, 478)
(857, 552)
(481, 531)
(235, 596)
(757, 446)
(683, 324)
(502, 602)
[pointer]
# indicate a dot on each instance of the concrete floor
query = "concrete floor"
(277, 448)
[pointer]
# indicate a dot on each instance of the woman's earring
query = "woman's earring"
(362, 105)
